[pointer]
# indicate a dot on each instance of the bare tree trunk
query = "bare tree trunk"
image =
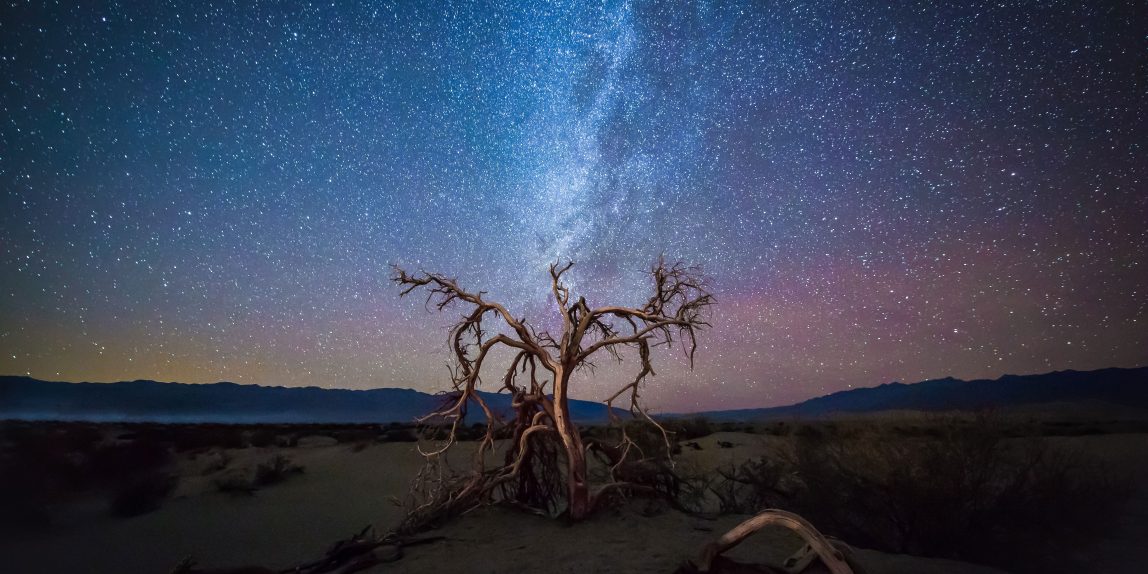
(576, 476)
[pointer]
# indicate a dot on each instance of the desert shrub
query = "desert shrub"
(778, 429)
(289, 440)
(26, 493)
(234, 483)
(202, 437)
(434, 432)
(652, 477)
(142, 494)
(967, 494)
(400, 435)
(354, 435)
(52, 464)
(217, 460)
(274, 471)
(694, 483)
(648, 441)
(639, 459)
(756, 484)
(117, 462)
(591, 433)
(81, 437)
(691, 428)
(1077, 428)
(47, 459)
(471, 432)
(1086, 430)
(262, 438)
(919, 431)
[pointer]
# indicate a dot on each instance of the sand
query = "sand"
(623, 541)
(340, 493)
(343, 490)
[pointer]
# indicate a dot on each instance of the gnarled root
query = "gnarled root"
(817, 549)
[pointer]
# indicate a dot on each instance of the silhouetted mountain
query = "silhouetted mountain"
(1122, 387)
(33, 399)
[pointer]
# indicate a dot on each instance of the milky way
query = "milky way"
(215, 191)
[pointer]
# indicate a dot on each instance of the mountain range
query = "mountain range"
(1103, 389)
(32, 399)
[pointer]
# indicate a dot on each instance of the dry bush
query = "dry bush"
(289, 440)
(234, 483)
(114, 463)
(400, 435)
(29, 486)
(691, 428)
(356, 434)
(780, 428)
(142, 494)
(476, 431)
(262, 438)
(278, 469)
(646, 470)
(274, 471)
(201, 437)
(961, 490)
(754, 485)
(44, 466)
(645, 439)
(217, 460)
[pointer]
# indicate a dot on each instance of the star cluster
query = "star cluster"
(216, 190)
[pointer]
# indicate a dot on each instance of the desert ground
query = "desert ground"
(348, 481)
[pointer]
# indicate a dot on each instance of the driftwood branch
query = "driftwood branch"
(817, 545)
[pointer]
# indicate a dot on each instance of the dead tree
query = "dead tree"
(538, 379)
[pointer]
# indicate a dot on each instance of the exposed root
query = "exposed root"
(817, 549)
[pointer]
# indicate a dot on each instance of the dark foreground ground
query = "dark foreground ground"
(916, 493)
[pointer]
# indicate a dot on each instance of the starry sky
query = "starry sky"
(204, 191)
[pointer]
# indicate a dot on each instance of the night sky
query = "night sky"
(209, 191)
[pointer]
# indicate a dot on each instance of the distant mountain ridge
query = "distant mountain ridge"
(32, 399)
(129, 401)
(1122, 387)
